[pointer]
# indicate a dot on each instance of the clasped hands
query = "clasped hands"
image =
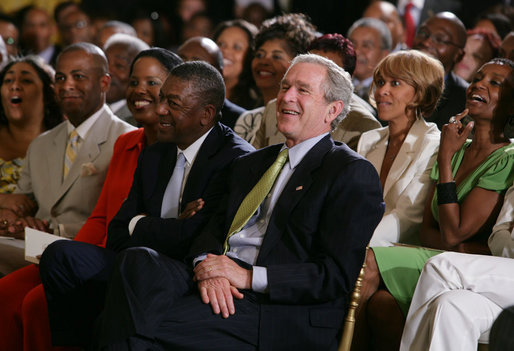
(219, 278)
(13, 226)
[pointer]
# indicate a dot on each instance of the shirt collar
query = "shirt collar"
(115, 106)
(85, 126)
(417, 3)
(192, 150)
(298, 152)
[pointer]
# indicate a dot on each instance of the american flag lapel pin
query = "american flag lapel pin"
(299, 187)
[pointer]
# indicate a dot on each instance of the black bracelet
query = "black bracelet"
(446, 193)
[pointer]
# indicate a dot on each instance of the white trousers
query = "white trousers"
(456, 301)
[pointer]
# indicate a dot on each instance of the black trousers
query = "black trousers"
(152, 303)
(74, 275)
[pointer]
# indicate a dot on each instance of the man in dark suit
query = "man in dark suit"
(298, 216)
(204, 49)
(443, 36)
(74, 274)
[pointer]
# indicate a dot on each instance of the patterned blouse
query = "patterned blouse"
(9, 174)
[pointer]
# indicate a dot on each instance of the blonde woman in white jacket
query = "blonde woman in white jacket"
(406, 86)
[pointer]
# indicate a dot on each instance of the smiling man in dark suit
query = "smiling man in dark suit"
(278, 260)
(194, 149)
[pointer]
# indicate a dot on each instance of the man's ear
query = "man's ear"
(209, 115)
(458, 56)
(105, 82)
(334, 109)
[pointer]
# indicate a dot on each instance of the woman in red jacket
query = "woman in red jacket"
(23, 309)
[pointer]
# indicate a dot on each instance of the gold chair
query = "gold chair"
(349, 323)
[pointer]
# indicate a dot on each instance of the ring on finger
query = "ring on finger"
(453, 120)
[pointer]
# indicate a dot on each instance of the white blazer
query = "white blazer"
(407, 183)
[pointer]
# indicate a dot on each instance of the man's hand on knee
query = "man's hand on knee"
(219, 294)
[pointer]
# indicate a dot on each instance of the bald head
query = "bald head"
(458, 26)
(442, 36)
(98, 56)
(202, 49)
(387, 13)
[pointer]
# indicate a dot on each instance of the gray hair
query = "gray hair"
(386, 40)
(122, 27)
(132, 43)
(337, 85)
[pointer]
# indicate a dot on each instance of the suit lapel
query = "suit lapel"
(295, 189)
(405, 156)
(201, 166)
(55, 158)
(377, 147)
(89, 151)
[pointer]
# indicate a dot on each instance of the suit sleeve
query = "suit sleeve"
(348, 215)
(117, 232)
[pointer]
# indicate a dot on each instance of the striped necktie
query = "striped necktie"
(255, 197)
(71, 152)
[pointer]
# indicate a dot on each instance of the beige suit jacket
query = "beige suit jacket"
(407, 183)
(358, 120)
(67, 204)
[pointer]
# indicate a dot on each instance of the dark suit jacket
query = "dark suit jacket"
(155, 166)
(314, 244)
(451, 102)
(230, 113)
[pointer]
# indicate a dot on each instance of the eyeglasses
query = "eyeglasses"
(436, 38)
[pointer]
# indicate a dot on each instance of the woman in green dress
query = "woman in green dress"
(469, 181)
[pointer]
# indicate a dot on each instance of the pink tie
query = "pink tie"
(410, 26)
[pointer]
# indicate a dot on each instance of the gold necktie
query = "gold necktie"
(71, 152)
(255, 197)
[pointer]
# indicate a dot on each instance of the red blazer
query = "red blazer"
(116, 187)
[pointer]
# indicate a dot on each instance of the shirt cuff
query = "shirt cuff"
(199, 259)
(133, 222)
(260, 279)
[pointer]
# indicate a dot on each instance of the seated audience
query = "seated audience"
(406, 86)
(460, 292)
(387, 13)
(71, 157)
(193, 152)
(372, 41)
(120, 50)
(22, 302)
(10, 33)
(280, 279)
(204, 49)
(75, 27)
(481, 46)
(471, 178)
(112, 27)
(278, 41)
(359, 118)
(28, 107)
(496, 23)
(443, 36)
(235, 40)
(36, 33)
(507, 47)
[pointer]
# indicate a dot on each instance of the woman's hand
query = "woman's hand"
(453, 136)
(8, 221)
(20, 204)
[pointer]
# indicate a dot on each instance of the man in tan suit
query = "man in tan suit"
(64, 175)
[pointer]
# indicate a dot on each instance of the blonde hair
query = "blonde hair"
(424, 73)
